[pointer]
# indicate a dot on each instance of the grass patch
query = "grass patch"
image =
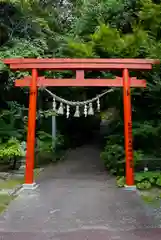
(11, 183)
(152, 197)
(4, 201)
(2, 208)
(148, 199)
(151, 200)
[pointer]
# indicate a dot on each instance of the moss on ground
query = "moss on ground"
(11, 183)
(148, 199)
(5, 199)
(153, 196)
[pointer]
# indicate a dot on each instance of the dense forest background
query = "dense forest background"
(82, 29)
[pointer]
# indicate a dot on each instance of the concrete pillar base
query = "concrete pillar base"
(130, 188)
(31, 186)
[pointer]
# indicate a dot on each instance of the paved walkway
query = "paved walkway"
(76, 200)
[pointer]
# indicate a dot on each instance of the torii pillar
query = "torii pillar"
(128, 130)
(30, 154)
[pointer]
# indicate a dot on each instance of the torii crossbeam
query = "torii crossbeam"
(56, 82)
(80, 65)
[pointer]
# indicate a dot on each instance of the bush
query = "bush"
(45, 142)
(48, 150)
(11, 152)
(143, 180)
(158, 182)
(113, 156)
(144, 185)
(120, 181)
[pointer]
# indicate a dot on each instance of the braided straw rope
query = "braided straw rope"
(77, 103)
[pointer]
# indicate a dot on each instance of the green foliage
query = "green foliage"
(158, 182)
(150, 17)
(143, 180)
(80, 49)
(102, 40)
(11, 134)
(48, 149)
(113, 155)
(144, 185)
(9, 150)
(58, 142)
(119, 13)
(138, 156)
(120, 181)
(23, 49)
(8, 121)
(45, 143)
(146, 176)
(5, 199)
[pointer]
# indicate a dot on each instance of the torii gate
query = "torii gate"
(80, 66)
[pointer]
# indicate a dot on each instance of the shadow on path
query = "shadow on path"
(77, 200)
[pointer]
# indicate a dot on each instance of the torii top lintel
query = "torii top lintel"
(80, 64)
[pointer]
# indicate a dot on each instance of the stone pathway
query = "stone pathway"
(76, 200)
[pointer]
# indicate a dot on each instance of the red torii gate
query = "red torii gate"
(80, 65)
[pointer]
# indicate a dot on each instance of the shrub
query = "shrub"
(158, 182)
(121, 181)
(113, 156)
(143, 180)
(10, 152)
(45, 142)
(48, 149)
(144, 185)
